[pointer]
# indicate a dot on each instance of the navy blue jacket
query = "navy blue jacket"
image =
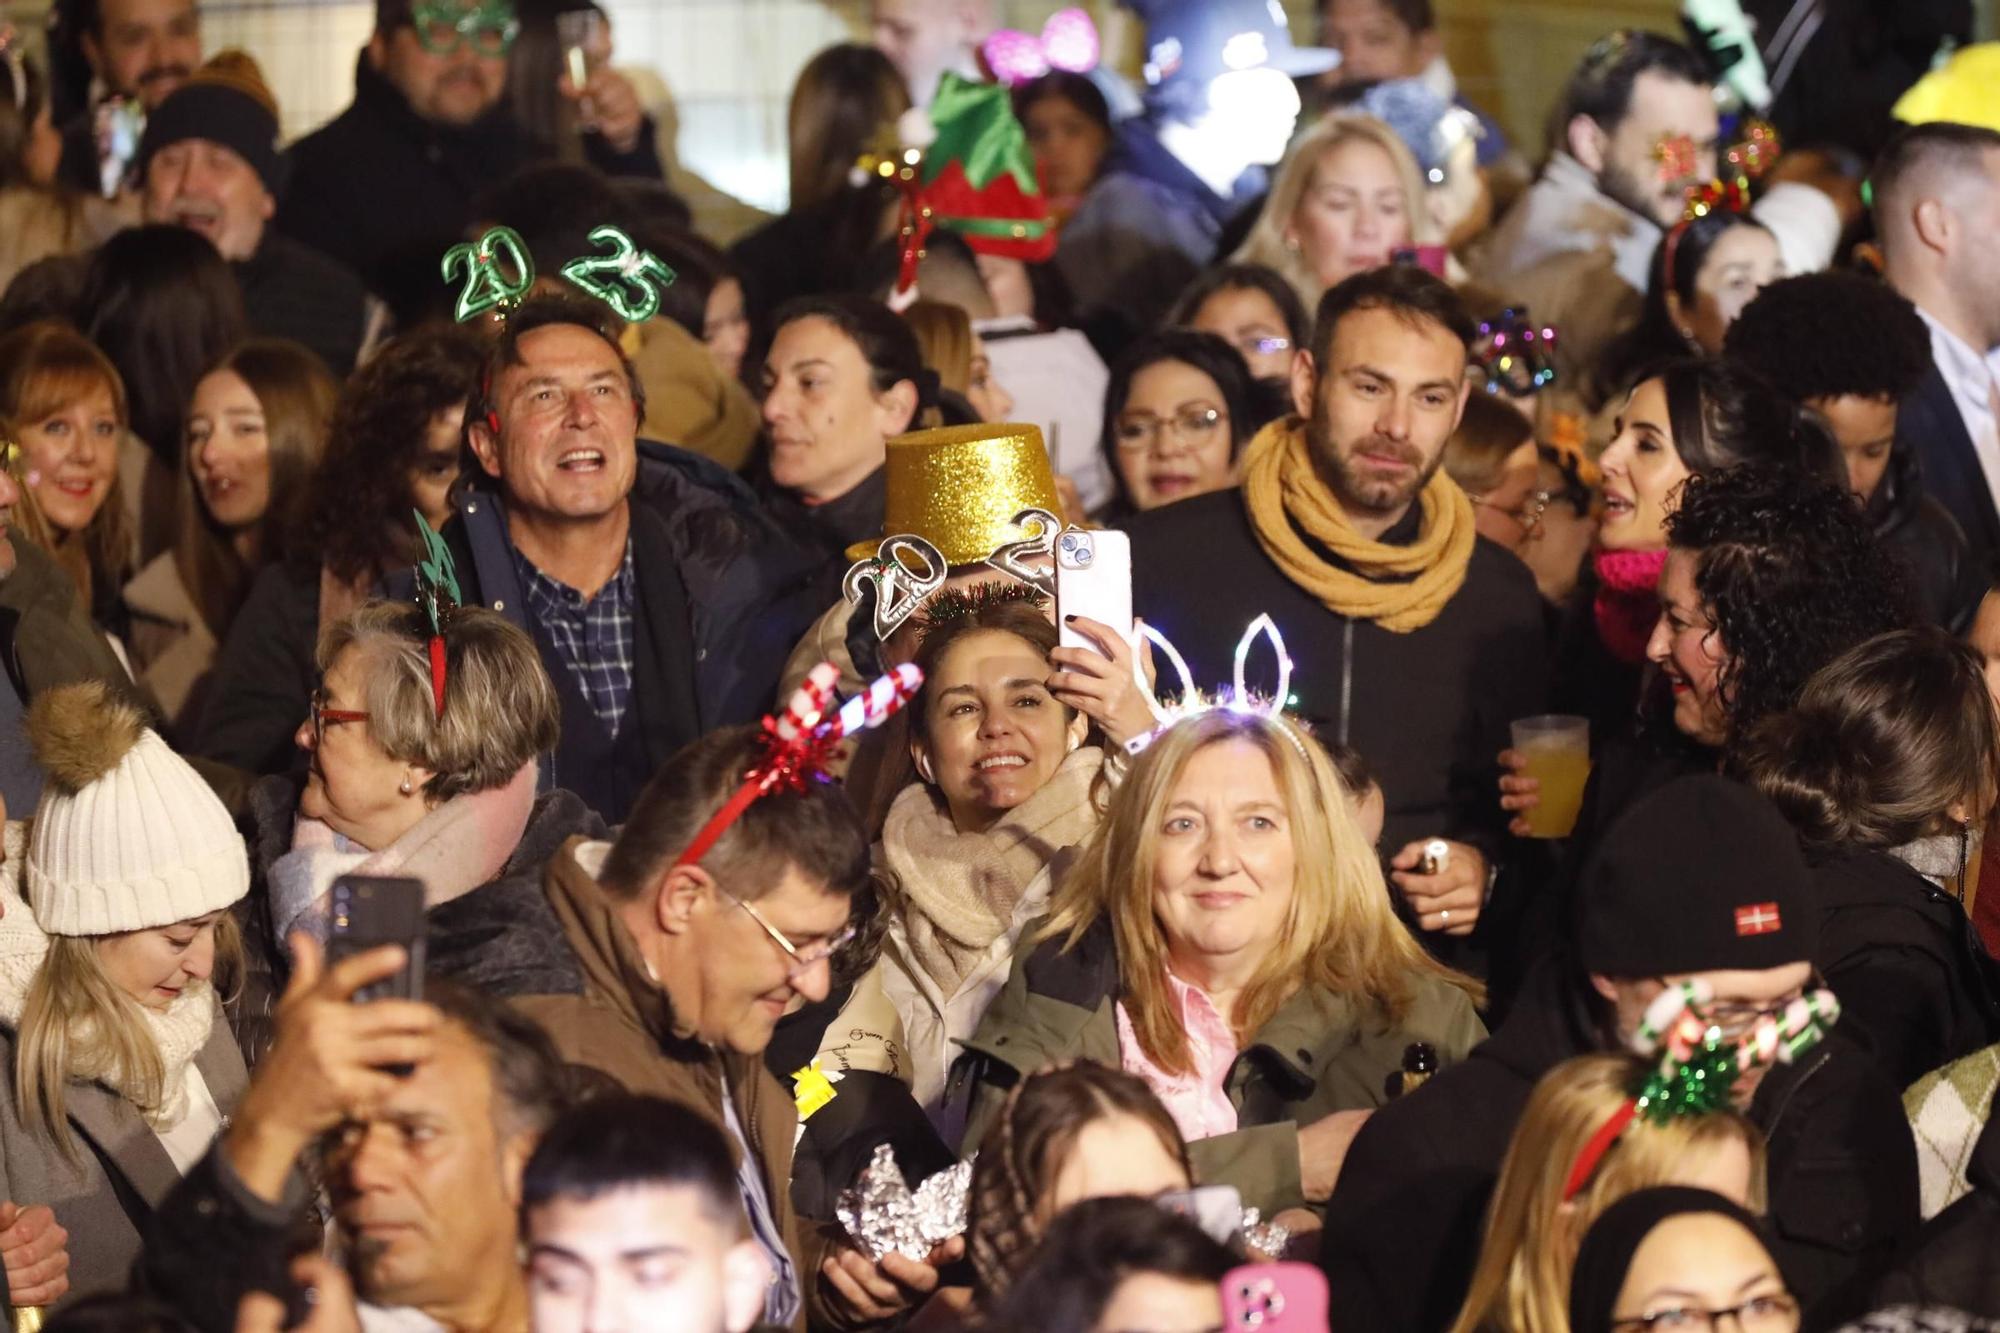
(720, 606)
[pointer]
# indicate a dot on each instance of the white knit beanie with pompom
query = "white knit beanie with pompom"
(127, 835)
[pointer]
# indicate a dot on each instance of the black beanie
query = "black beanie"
(1605, 1257)
(1703, 875)
(226, 102)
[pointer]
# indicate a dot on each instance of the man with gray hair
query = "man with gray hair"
(1937, 209)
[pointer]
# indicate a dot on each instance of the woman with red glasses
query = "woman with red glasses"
(397, 785)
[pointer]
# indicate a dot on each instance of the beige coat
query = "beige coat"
(173, 652)
(122, 1172)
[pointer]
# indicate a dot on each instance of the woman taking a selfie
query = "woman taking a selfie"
(120, 1068)
(1226, 936)
(1010, 778)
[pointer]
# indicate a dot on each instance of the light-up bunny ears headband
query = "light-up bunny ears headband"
(498, 273)
(1237, 697)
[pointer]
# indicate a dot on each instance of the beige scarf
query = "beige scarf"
(961, 889)
(1286, 496)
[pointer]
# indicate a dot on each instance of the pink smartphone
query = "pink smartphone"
(1429, 258)
(1274, 1298)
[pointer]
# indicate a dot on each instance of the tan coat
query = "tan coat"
(172, 650)
(121, 1168)
(689, 401)
(623, 1025)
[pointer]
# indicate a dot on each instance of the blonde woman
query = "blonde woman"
(1226, 936)
(1347, 197)
(954, 349)
(119, 1067)
(1539, 1213)
(255, 432)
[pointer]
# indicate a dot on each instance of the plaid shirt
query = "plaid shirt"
(596, 637)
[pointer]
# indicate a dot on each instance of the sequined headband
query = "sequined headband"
(1699, 1067)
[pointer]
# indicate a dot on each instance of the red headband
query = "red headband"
(798, 745)
(1599, 1144)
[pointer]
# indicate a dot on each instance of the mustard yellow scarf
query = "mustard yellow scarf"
(1286, 496)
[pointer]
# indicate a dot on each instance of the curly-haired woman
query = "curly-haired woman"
(394, 446)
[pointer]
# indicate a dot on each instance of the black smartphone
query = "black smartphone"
(370, 911)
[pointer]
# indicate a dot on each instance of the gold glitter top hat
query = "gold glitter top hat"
(961, 487)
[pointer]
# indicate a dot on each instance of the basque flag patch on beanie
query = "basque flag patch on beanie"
(1758, 919)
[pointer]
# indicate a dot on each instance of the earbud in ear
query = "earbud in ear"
(924, 771)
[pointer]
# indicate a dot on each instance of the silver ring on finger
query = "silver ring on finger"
(1444, 917)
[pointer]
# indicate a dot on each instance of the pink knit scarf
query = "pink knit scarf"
(1627, 605)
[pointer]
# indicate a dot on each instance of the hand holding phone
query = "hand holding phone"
(331, 1061)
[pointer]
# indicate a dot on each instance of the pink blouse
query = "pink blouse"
(1198, 1101)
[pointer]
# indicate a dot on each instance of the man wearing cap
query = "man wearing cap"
(1220, 107)
(387, 186)
(209, 162)
(1703, 880)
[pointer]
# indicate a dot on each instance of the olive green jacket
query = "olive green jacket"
(1320, 1053)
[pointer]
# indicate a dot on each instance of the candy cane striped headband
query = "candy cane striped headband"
(799, 742)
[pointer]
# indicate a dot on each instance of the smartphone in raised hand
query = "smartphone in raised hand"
(369, 911)
(1093, 580)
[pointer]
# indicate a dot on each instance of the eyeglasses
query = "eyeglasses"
(443, 29)
(1262, 346)
(1759, 1314)
(324, 717)
(803, 959)
(1191, 428)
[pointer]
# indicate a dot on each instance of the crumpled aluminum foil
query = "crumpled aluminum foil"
(882, 1214)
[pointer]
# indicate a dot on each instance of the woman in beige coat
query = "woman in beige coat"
(119, 1068)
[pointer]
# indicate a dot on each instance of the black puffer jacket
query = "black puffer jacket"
(1403, 1227)
(500, 938)
(1899, 952)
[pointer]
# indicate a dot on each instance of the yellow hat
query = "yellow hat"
(1965, 89)
(960, 487)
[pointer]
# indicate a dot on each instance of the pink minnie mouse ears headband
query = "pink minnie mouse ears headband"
(1068, 42)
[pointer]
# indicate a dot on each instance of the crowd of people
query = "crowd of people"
(974, 754)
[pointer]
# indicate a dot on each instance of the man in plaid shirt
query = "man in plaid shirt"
(654, 588)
